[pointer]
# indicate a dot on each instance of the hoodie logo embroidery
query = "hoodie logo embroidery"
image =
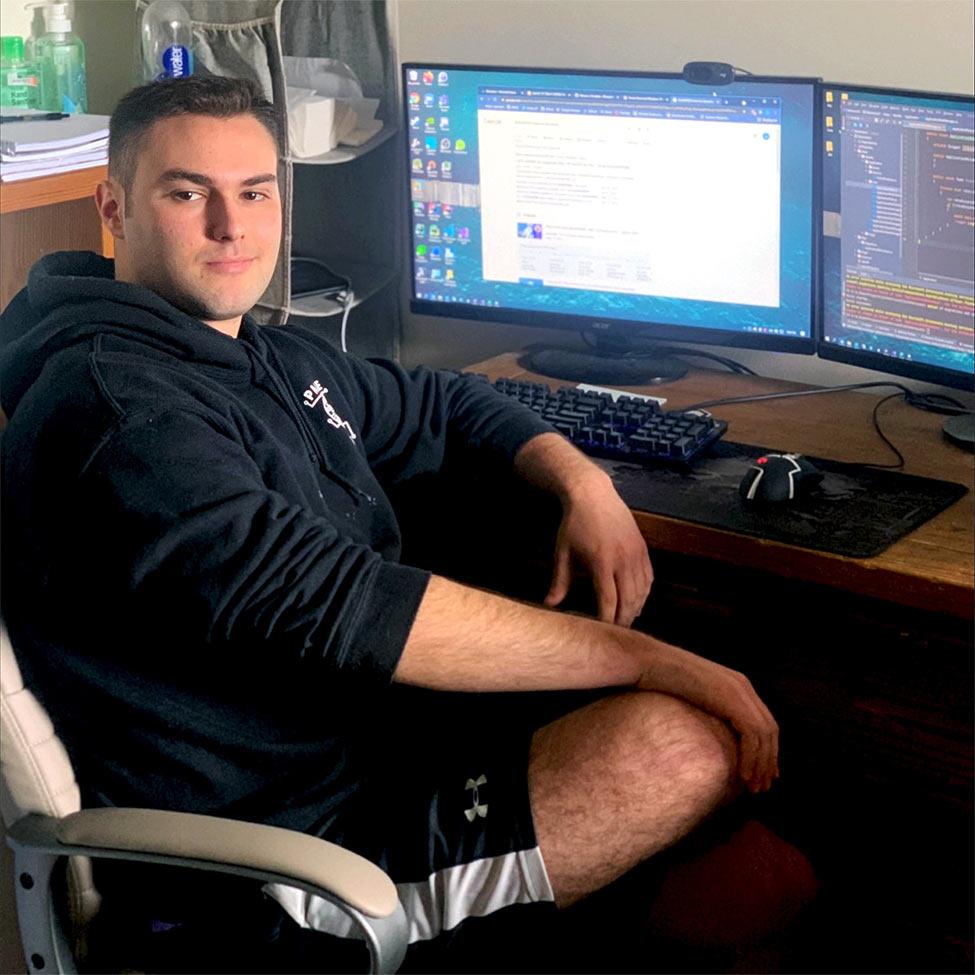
(314, 395)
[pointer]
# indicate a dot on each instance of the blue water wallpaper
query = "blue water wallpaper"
(441, 111)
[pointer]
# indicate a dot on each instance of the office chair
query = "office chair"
(41, 806)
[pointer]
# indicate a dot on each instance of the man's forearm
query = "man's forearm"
(464, 639)
(467, 640)
(551, 463)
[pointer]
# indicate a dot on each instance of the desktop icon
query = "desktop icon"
(417, 165)
(444, 121)
(460, 145)
(449, 274)
(432, 167)
(414, 121)
(447, 168)
(420, 229)
(434, 231)
(414, 76)
(414, 98)
(445, 145)
(419, 208)
(421, 250)
(435, 253)
(448, 254)
(428, 100)
(450, 231)
(444, 102)
(448, 210)
(415, 144)
(433, 210)
(428, 77)
(464, 233)
(443, 78)
(431, 122)
(436, 274)
(430, 142)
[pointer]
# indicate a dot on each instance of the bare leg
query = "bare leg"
(621, 779)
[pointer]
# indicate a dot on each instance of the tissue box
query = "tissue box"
(315, 123)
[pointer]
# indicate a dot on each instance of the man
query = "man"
(203, 580)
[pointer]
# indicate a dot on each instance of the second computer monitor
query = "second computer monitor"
(636, 204)
(899, 232)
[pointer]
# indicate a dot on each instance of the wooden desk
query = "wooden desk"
(867, 665)
(45, 214)
(931, 569)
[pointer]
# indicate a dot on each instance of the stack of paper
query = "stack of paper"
(38, 148)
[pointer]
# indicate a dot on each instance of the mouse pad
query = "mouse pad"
(856, 510)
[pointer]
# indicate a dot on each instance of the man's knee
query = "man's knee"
(692, 747)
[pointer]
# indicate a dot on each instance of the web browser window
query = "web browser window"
(591, 192)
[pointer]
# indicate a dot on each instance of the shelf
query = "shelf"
(25, 194)
(344, 154)
(367, 279)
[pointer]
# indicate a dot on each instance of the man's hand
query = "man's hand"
(727, 694)
(597, 531)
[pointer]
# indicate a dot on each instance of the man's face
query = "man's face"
(202, 221)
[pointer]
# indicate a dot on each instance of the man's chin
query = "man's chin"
(208, 312)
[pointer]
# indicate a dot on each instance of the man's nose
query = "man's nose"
(224, 219)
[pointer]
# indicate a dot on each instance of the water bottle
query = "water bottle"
(61, 59)
(166, 38)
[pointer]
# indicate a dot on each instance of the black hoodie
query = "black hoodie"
(201, 571)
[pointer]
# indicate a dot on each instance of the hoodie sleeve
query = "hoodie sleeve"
(187, 532)
(412, 420)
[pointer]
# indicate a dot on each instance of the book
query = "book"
(28, 168)
(20, 139)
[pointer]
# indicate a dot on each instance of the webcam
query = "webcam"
(709, 73)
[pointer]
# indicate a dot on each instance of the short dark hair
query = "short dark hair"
(142, 107)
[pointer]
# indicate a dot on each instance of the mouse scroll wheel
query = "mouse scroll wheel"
(762, 460)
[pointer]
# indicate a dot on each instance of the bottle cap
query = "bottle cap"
(12, 48)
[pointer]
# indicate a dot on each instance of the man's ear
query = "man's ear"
(110, 201)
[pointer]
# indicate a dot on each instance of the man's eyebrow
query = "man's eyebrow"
(201, 179)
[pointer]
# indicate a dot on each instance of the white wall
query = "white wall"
(923, 44)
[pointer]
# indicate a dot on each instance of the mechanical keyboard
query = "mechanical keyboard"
(628, 428)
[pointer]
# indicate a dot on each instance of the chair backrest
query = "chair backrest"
(36, 776)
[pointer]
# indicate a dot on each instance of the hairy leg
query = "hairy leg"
(620, 780)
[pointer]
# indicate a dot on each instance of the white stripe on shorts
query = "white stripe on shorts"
(440, 902)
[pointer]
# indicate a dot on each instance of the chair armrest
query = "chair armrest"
(267, 853)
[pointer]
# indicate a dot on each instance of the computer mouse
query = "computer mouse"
(778, 478)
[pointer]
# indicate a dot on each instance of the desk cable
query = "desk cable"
(348, 300)
(931, 402)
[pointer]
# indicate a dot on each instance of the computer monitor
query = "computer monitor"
(632, 206)
(898, 221)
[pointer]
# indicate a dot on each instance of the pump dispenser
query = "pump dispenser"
(37, 29)
(61, 58)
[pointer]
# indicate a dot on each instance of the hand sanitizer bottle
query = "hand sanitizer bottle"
(61, 56)
(167, 36)
(18, 81)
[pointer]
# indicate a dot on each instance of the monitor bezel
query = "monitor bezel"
(623, 329)
(923, 372)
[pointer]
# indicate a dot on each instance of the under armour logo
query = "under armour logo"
(477, 809)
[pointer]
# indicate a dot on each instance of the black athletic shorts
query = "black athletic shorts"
(443, 808)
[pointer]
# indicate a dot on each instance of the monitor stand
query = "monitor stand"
(604, 366)
(960, 430)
